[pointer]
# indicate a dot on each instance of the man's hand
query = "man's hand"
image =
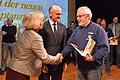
(88, 57)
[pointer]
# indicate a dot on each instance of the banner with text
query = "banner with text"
(18, 8)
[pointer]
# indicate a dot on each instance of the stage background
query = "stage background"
(18, 8)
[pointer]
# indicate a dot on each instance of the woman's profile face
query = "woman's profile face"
(41, 23)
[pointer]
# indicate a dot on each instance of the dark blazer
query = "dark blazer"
(52, 44)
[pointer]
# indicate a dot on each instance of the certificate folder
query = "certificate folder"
(88, 49)
(77, 49)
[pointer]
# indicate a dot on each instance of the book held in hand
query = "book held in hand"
(88, 49)
(78, 50)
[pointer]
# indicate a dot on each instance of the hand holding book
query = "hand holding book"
(88, 57)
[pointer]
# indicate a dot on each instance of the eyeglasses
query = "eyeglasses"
(82, 15)
(9, 20)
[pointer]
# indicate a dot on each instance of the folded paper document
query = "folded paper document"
(88, 49)
(77, 49)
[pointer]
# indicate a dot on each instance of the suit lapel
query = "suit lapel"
(59, 31)
(51, 32)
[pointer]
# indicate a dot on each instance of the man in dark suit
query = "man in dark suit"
(54, 36)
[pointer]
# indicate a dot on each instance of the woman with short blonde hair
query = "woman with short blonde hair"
(29, 52)
(33, 20)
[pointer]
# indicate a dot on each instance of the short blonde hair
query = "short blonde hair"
(33, 20)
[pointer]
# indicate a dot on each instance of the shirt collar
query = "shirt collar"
(85, 26)
(51, 22)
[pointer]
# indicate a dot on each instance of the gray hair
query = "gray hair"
(85, 10)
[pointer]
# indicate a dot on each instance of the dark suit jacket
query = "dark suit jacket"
(54, 45)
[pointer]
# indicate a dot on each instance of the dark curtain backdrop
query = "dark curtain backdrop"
(102, 8)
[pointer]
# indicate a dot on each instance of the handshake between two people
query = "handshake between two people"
(49, 60)
(59, 58)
